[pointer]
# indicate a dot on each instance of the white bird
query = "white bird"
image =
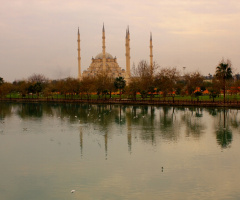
(72, 191)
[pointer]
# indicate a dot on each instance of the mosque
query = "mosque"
(105, 63)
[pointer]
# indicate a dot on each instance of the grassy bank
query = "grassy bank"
(234, 98)
(181, 101)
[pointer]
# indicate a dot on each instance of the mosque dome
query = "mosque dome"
(100, 56)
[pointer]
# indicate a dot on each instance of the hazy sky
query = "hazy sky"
(40, 36)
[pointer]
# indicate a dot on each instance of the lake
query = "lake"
(118, 152)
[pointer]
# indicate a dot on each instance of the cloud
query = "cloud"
(43, 27)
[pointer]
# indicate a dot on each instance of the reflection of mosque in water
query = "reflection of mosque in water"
(149, 124)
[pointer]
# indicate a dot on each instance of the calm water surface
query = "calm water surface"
(118, 152)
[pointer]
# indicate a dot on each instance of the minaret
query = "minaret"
(127, 55)
(103, 49)
(79, 57)
(151, 54)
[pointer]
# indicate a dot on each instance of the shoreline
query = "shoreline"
(127, 102)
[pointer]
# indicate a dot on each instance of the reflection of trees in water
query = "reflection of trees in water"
(234, 119)
(5, 110)
(70, 111)
(143, 117)
(166, 118)
(199, 112)
(120, 118)
(224, 137)
(150, 122)
(194, 125)
(168, 124)
(223, 132)
(102, 117)
(26, 110)
(224, 118)
(99, 115)
(213, 111)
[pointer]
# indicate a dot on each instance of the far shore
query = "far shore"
(232, 104)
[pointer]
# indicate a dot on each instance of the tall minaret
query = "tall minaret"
(127, 55)
(151, 53)
(79, 57)
(103, 49)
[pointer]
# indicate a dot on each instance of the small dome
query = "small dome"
(100, 56)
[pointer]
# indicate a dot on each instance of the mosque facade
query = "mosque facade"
(112, 68)
(105, 63)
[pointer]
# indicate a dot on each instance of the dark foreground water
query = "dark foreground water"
(118, 152)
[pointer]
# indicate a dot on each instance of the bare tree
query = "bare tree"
(40, 78)
(5, 89)
(133, 87)
(166, 81)
(104, 84)
(21, 86)
(145, 77)
(88, 86)
(193, 80)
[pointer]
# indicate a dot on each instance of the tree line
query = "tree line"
(145, 82)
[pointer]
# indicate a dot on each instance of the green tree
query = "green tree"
(224, 73)
(198, 94)
(120, 84)
(31, 89)
(38, 88)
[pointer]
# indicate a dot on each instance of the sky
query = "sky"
(40, 36)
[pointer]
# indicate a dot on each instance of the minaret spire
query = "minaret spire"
(79, 57)
(103, 49)
(151, 54)
(127, 55)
